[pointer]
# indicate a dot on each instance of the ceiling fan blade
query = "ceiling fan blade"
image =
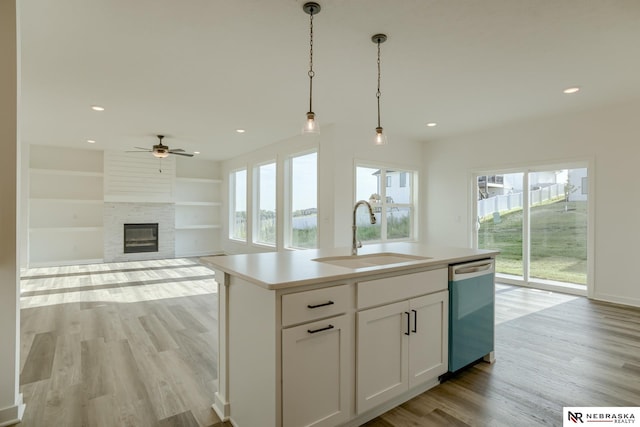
(137, 151)
(181, 154)
(176, 150)
(143, 148)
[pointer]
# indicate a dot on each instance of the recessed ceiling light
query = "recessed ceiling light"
(432, 124)
(91, 141)
(97, 108)
(196, 152)
(571, 89)
(240, 130)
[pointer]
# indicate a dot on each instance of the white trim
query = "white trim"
(12, 414)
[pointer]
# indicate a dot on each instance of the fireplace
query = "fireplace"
(140, 238)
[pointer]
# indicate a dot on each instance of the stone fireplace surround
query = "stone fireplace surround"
(116, 214)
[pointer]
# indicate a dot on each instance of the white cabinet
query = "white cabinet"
(315, 373)
(316, 365)
(197, 202)
(400, 346)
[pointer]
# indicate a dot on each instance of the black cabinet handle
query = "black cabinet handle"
(321, 305)
(415, 321)
(326, 328)
(408, 323)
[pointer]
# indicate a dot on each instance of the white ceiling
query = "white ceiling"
(196, 70)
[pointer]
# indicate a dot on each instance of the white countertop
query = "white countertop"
(278, 270)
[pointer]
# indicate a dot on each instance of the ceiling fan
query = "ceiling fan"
(161, 151)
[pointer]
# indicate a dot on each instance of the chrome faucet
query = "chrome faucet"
(355, 244)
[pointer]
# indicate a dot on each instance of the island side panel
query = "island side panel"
(252, 357)
(221, 397)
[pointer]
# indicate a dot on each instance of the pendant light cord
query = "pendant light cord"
(378, 92)
(311, 73)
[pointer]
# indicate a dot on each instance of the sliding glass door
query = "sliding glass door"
(538, 219)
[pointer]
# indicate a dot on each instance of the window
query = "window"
(538, 219)
(394, 207)
(238, 205)
(303, 222)
(264, 231)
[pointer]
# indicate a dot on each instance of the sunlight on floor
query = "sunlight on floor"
(143, 281)
(515, 301)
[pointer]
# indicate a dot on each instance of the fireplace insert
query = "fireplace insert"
(140, 238)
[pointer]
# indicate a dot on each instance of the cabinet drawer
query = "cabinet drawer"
(310, 305)
(396, 288)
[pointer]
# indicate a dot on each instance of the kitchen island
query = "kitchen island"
(322, 338)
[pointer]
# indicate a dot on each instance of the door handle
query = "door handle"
(408, 323)
(415, 321)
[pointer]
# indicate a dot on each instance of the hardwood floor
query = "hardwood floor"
(134, 344)
(123, 344)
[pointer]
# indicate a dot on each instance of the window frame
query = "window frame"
(412, 179)
(232, 204)
(256, 204)
(288, 213)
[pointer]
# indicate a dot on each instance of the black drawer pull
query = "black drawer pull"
(326, 328)
(408, 323)
(321, 305)
(415, 321)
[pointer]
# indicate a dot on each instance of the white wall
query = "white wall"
(10, 400)
(339, 147)
(608, 137)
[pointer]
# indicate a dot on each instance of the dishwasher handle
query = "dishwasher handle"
(471, 269)
(474, 269)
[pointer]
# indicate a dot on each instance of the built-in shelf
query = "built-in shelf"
(197, 200)
(76, 201)
(64, 172)
(64, 229)
(198, 204)
(198, 227)
(66, 206)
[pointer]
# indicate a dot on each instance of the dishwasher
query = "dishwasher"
(471, 313)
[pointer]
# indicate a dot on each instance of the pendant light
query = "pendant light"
(381, 138)
(311, 124)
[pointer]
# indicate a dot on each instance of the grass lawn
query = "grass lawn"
(558, 241)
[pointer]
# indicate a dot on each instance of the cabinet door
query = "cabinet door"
(316, 372)
(428, 346)
(382, 354)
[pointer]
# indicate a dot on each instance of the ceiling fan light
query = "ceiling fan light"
(161, 154)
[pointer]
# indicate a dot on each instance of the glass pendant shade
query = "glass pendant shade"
(381, 138)
(311, 124)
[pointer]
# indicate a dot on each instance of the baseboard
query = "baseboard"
(634, 302)
(13, 414)
(221, 407)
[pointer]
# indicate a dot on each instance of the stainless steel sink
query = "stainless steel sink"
(370, 260)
